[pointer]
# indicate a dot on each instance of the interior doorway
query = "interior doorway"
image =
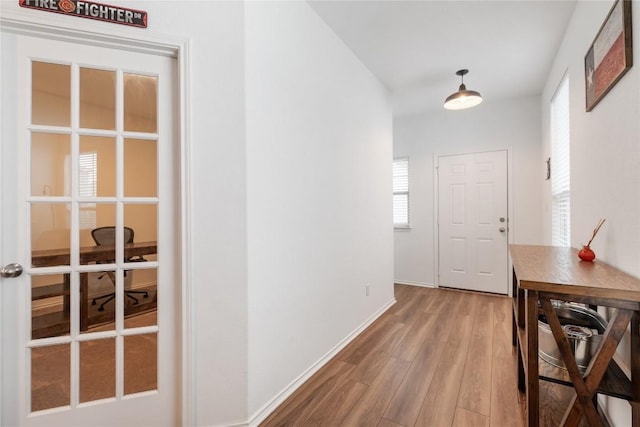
(473, 222)
(95, 324)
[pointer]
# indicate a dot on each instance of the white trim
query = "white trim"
(235, 424)
(511, 218)
(420, 284)
(55, 28)
(398, 227)
(271, 406)
(17, 22)
(436, 220)
(188, 311)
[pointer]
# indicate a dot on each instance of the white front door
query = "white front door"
(89, 330)
(472, 221)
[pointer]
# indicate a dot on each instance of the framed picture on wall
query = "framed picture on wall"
(610, 54)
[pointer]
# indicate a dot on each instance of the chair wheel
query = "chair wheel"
(145, 296)
(93, 302)
(100, 308)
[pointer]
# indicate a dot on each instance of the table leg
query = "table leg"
(583, 404)
(522, 384)
(84, 301)
(533, 384)
(514, 329)
(586, 386)
(66, 299)
(516, 343)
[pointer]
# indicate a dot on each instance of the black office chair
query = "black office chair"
(107, 236)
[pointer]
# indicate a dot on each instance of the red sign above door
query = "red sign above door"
(91, 10)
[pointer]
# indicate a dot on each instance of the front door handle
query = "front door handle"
(11, 270)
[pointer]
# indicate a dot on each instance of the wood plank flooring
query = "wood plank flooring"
(437, 358)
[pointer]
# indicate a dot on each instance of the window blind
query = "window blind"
(560, 167)
(88, 174)
(401, 192)
(87, 187)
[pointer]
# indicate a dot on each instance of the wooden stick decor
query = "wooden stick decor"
(595, 231)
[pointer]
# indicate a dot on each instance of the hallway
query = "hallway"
(438, 357)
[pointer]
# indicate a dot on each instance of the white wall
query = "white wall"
(513, 124)
(218, 193)
(605, 147)
(319, 152)
(291, 201)
(605, 157)
(218, 178)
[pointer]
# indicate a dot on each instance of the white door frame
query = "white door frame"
(436, 202)
(37, 26)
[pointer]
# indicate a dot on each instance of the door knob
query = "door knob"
(11, 270)
(502, 229)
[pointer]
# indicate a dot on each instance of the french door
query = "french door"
(88, 150)
(473, 221)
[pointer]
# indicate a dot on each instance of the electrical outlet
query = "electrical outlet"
(366, 289)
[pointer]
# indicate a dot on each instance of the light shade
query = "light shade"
(463, 98)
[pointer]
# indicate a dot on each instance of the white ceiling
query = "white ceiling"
(415, 47)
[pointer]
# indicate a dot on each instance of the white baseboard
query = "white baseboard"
(423, 285)
(271, 406)
(242, 424)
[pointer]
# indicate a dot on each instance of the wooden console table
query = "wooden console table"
(545, 273)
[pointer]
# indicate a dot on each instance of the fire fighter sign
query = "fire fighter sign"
(91, 10)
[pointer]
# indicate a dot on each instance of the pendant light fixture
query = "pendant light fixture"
(463, 98)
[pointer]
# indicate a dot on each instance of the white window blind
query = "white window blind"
(560, 167)
(88, 187)
(401, 192)
(88, 174)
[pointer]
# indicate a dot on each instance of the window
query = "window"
(401, 192)
(88, 163)
(560, 167)
(87, 186)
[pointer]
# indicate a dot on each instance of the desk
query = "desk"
(543, 273)
(87, 255)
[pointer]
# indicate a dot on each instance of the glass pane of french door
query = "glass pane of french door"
(94, 208)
